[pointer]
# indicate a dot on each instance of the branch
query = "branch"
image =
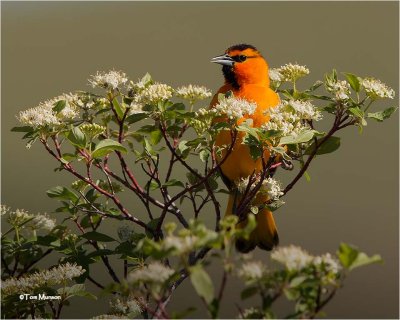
(116, 200)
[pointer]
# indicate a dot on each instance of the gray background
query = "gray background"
(51, 47)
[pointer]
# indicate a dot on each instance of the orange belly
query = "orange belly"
(239, 163)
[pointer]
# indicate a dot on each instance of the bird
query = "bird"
(246, 76)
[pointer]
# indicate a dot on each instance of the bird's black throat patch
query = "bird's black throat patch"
(230, 77)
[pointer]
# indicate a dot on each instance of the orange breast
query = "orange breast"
(240, 164)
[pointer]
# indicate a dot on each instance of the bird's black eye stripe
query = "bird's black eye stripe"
(241, 57)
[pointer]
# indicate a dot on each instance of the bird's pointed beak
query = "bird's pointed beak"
(224, 59)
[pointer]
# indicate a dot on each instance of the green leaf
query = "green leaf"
(248, 292)
(107, 146)
(174, 183)
(153, 185)
(77, 137)
(204, 155)
(119, 109)
(354, 81)
(77, 290)
(59, 106)
(135, 117)
(295, 282)
(62, 193)
(315, 86)
(97, 236)
(359, 114)
(68, 157)
(202, 283)
(22, 129)
(382, 115)
(330, 145)
(352, 258)
(155, 136)
(363, 260)
(300, 138)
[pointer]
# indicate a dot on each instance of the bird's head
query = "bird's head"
(243, 64)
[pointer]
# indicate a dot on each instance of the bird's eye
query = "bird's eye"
(242, 58)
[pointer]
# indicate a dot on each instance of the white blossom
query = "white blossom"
(340, 88)
(4, 210)
(42, 222)
(54, 276)
(275, 75)
(155, 272)
(377, 89)
(288, 115)
(272, 187)
(252, 271)
(269, 185)
(153, 94)
(291, 72)
(124, 305)
(193, 93)
(111, 79)
(92, 130)
(329, 263)
(235, 108)
(180, 244)
(252, 313)
(135, 107)
(18, 217)
(293, 257)
(202, 120)
(44, 114)
(38, 117)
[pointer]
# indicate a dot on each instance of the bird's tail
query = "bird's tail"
(265, 235)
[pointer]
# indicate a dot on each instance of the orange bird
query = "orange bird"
(246, 76)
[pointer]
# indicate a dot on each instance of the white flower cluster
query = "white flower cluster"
(153, 94)
(293, 257)
(288, 115)
(18, 217)
(202, 120)
(111, 79)
(92, 130)
(54, 276)
(42, 222)
(252, 313)
(377, 89)
(35, 222)
(235, 108)
(135, 107)
(328, 263)
(125, 305)
(4, 209)
(180, 244)
(340, 88)
(289, 72)
(275, 75)
(252, 271)
(155, 272)
(270, 186)
(44, 114)
(193, 93)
